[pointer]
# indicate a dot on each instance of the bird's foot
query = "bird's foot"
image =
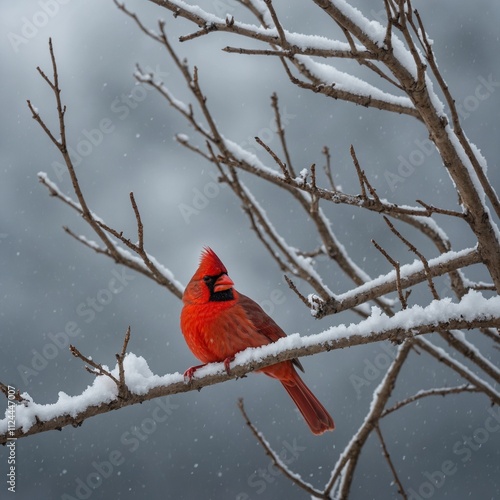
(227, 362)
(188, 374)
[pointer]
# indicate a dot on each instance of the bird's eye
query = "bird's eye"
(207, 279)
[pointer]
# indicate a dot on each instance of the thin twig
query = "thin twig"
(277, 24)
(140, 226)
(281, 133)
(388, 32)
(122, 386)
(98, 369)
(275, 157)
(361, 174)
(275, 457)
(328, 167)
(294, 289)
(430, 392)
(139, 23)
(435, 210)
(12, 394)
(385, 452)
(412, 247)
(443, 357)
(402, 296)
(362, 178)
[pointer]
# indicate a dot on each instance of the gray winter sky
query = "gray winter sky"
(196, 445)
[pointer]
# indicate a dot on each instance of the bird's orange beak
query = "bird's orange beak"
(223, 283)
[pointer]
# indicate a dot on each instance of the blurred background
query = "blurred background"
(197, 445)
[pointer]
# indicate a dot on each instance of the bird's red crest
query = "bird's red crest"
(210, 264)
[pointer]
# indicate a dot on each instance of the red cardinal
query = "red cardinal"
(217, 322)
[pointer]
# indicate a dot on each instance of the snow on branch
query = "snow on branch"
(410, 274)
(323, 78)
(104, 395)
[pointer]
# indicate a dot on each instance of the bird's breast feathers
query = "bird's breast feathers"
(214, 334)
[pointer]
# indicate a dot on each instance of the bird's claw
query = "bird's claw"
(188, 374)
(227, 362)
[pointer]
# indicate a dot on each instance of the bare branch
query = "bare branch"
(328, 168)
(306, 51)
(418, 254)
(281, 165)
(123, 391)
(457, 341)
(385, 452)
(361, 174)
(442, 356)
(283, 41)
(97, 225)
(98, 369)
(281, 133)
(294, 289)
(402, 297)
(445, 391)
(275, 457)
(145, 265)
(346, 464)
(11, 394)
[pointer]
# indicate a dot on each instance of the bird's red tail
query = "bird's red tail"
(314, 413)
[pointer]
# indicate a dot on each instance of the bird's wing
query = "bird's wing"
(263, 323)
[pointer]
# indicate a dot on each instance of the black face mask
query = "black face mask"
(217, 296)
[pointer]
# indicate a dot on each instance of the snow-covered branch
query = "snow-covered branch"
(142, 385)
(410, 274)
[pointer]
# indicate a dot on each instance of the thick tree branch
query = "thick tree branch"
(410, 275)
(253, 359)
